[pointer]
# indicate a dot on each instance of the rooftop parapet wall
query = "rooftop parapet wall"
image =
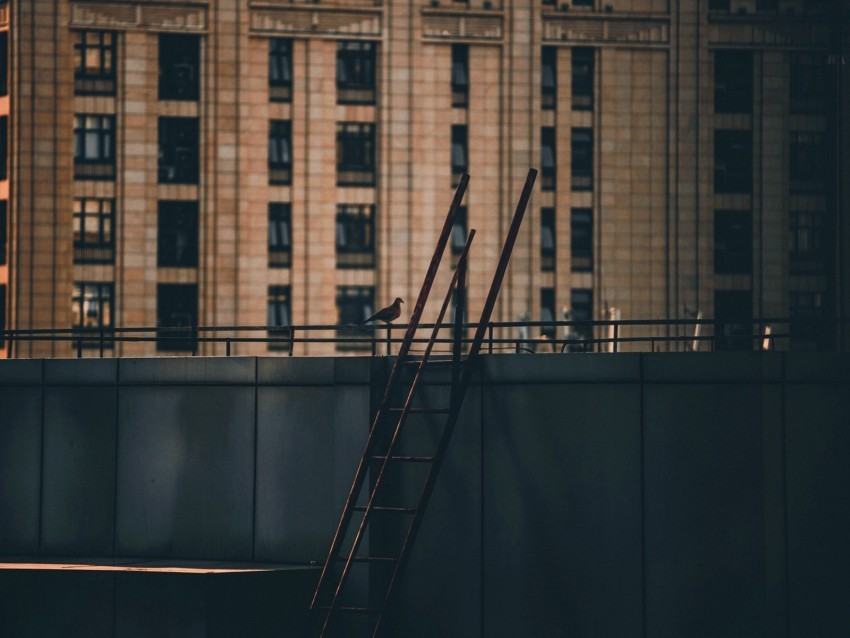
(690, 494)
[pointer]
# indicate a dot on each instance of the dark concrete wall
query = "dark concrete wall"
(583, 495)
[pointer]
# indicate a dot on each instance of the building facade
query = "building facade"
(288, 163)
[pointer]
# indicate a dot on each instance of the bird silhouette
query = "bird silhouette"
(387, 314)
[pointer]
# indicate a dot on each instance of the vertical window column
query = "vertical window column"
(354, 305)
(280, 69)
(460, 75)
(179, 67)
(94, 63)
(582, 80)
(355, 72)
(547, 239)
(94, 146)
(280, 235)
(278, 317)
(355, 236)
(355, 154)
(581, 154)
(91, 307)
(177, 317)
(460, 152)
(548, 77)
(179, 154)
(280, 152)
(93, 225)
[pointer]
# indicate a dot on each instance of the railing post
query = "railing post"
(100, 342)
(490, 331)
(227, 347)
(389, 339)
(291, 340)
(79, 347)
(460, 309)
(616, 335)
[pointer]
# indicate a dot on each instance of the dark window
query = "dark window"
(3, 222)
(179, 67)
(807, 165)
(807, 82)
(355, 236)
(94, 146)
(767, 5)
(547, 312)
(581, 240)
(4, 63)
(94, 231)
(547, 239)
(177, 234)
(280, 69)
(548, 77)
(459, 298)
(733, 162)
(280, 152)
(548, 166)
(4, 150)
(460, 75)
(354, 305)
(460, 153)
(718, 5)
(582, 78)
(582, 3)
(733, 315)
(582, 159)
(581, 305)
(177, 317)
(355, 154)
(733, 82)
(91, 307)
(278, 317)
(280, 235)
(458, 237)
(355, 72)
(807, 242)
(94, 60)
(550, 2)
(808, 328)
(178, 161)
(733, 242)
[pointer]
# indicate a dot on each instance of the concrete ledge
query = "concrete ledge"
(69, 372)
(817, 367)
(561, 368)
(296, 371)
(713, 367)
(188, 371)
(352, 370)
(21, 371)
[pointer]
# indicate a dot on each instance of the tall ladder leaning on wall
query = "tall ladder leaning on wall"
(336, 608)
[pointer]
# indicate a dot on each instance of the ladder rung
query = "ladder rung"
(405, 459)
(423, 410)
(369, 559)
(352, 610)
(382, 508)
(435, 362)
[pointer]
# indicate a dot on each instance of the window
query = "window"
(177, 234)
(179, 67)
(581, 305)
(581, 240)
(3, 222)
(733, 82)
(91, 307)
(807, 242)
(547, 239)
(718, 5)
(280, 235)
(4, 63)
(807, 325)
(547, 312)
(94, 146)
(548, 75)
(355, 236)
(280, 152)
(94, 239)
(733, 315)
(4, 150)
(458, 236)
(582, 159)
(583, 3)
(807, 82)
(177, 317)
(807, 174)
(767, 5)
(94, 63)
(354, 305)
(733, 242)
(582, 79)
(733, 162)
(460, 75)
(548, 172)
(278, 317)
(460, 154)
(459, 300)
(355, 72)
(280, 70)
(355, 154)
(178, 150)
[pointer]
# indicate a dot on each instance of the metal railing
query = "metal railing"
(653, 335)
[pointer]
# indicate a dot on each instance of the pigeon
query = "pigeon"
(387, 314)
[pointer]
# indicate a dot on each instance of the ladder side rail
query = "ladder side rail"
(362, 468)
(430, 480)
(400, 424)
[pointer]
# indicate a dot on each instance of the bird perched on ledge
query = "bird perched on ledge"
(387, 314)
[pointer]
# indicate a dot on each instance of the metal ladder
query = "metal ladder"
(331, 613)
